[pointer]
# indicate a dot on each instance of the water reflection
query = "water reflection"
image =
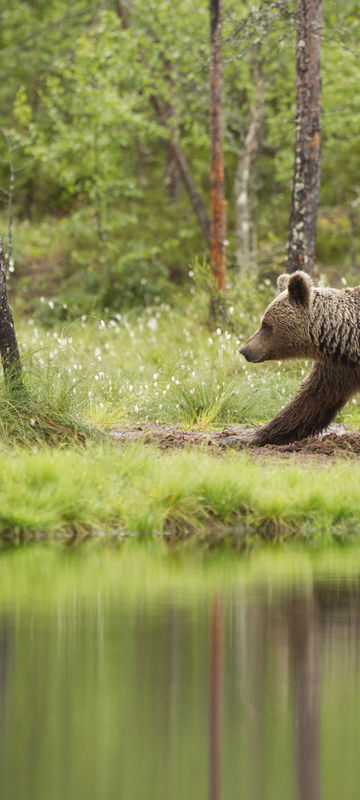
(242, 693)
(216, 696)
(304, 648)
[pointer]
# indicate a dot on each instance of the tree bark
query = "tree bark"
(244, 183)
(218, 214)
(306, 177)
(172, 177)
(9, 350)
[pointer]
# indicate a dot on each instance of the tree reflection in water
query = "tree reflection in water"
(237, 693)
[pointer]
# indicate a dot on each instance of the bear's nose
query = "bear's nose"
(243, 352)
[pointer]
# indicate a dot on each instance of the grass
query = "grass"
(59, 474)
(163, 364)
(139, 490)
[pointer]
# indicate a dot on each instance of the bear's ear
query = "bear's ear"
(282, 282)
(299, 287)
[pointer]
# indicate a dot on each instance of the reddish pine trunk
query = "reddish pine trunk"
(218, 216)
(306, 179)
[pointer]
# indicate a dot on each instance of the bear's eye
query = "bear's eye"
(267, 327)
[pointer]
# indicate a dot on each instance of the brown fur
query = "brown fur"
(308, 322)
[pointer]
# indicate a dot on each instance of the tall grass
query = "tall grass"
(42, 412)
(160, 365)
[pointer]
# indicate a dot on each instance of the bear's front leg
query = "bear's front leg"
(321, 395)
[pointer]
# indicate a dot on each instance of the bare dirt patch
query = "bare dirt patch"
(337, 441)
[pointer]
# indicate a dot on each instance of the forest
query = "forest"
(109, 220)
(105, 148)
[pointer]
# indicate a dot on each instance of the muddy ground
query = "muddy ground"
(337, 441)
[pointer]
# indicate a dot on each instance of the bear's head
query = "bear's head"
(284, 330)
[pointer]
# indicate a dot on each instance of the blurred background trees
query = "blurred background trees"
(106, 110)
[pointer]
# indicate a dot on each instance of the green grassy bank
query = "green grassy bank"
(138, 490)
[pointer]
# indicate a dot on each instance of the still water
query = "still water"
(132, 675)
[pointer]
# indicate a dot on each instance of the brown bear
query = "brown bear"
(309, 322)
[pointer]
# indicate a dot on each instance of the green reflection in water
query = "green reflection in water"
(49, 573)
(131, 672)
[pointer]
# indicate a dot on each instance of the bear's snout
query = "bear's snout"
(253, 350)
(243, 351)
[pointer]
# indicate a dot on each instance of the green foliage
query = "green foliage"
(81, 103)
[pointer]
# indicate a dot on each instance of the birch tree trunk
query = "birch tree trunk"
(218, 215)
(306, 177)
(245, 201)
(9, 350)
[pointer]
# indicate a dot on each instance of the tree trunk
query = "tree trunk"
(244, 182)
(172, 174)
(218, 215)
(9, 350)
(184, 170)
(173, 147)
(306, 178)
(172, 177)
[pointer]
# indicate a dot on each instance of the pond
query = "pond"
(134, 673)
